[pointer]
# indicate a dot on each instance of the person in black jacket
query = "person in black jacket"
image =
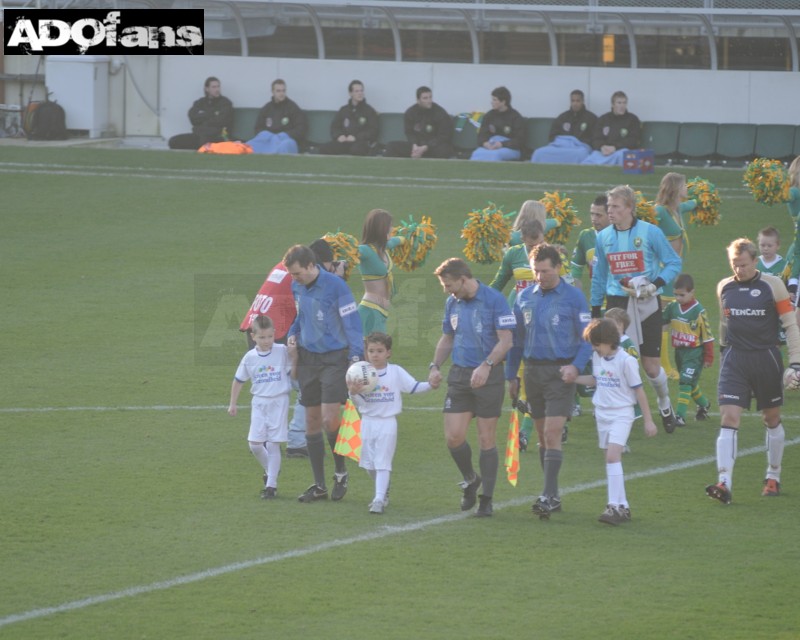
(355, 126)
(503, 130)
(281, 125)
(570, 134)
(211, 117)
(429, 130)
(614, 133)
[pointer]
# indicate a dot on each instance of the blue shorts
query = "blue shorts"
(745, 374)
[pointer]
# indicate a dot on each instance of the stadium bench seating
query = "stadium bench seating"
(319, 126)
(319, 123)
(697, 141)
(689, 141)
(796, 148)
(538, 134)
(465, 141)
(735, 142)
(775, 141)
(244, 122)
(662, 138)
(390, 127)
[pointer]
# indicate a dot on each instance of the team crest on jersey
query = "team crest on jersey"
(362, 120)
(506, 129)
(567, 126)
(623, 132)
(284, 121)
(637, 242)
(556, 320)
(754, 293)
(428, 128)
(320, 316)
(527, 315)
(583, 126)
(606, 130)
(454, 321)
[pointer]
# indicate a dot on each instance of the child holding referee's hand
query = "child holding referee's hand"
(618, 387)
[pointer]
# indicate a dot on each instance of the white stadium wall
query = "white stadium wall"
(763, 97)
(170, 84)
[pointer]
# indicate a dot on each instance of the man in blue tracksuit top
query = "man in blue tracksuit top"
(476, 331)
(551, 317)
(634, 260)
(327, 334)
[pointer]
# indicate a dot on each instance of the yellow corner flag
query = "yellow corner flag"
(512, 449)
(348, 442)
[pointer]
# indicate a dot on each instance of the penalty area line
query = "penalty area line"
(383, 532)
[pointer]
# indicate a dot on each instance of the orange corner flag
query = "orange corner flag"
(512, 449)
(348, 442)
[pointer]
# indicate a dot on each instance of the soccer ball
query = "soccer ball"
(791, 379)
(363, 373)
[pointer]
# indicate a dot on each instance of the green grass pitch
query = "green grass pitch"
(129, 502)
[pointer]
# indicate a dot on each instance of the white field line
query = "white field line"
(215, 407)
(378, 534)
(127, 170)
(322, 179)
(329, 183)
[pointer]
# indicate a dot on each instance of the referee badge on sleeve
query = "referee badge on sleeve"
(454, 321)
(508, 321)
(347, 309)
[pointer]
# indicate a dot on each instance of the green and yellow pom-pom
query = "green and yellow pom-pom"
(345, 248)
(645, 209)
(705, 194)
(486, 231)
(561, 208)
(767, 180)
(419, 239)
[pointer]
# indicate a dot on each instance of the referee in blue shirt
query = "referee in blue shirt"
(551, 316)
(476, 333)
(327, 334)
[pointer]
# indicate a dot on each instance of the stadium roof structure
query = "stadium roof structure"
(709, 19)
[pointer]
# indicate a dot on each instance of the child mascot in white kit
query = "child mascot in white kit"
(269, 368)
(379, 409)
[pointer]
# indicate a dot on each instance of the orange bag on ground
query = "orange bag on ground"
(235, 148)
